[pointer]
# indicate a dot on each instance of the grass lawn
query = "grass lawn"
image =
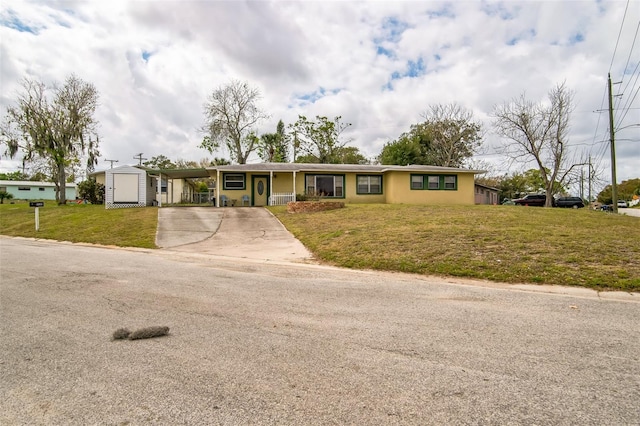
(500, 243)
(82, 223)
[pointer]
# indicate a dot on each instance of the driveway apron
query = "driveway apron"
(244, 232)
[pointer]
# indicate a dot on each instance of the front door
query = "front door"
(260, 190)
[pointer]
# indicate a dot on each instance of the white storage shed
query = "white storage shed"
(128, 186)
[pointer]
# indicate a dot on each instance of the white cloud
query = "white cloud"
(377, 64)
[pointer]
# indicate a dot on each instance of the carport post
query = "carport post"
(217, 193)
(270, 201)
(294, 185)
(159, 190)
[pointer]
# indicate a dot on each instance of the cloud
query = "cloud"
(379, 65)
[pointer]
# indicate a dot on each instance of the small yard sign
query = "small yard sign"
(36, 204)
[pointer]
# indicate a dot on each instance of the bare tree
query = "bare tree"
(539, 132)
(60, 128)
(454, 134)
(231, 118)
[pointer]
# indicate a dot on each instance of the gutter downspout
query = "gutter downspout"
(270, 200)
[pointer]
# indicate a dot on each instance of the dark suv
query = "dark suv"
(531, 200)
(573, 202)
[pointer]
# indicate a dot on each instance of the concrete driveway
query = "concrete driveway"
(242, 232)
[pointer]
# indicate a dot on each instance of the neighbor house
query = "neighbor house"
(486, 194)
(28, 190)
(263, 184)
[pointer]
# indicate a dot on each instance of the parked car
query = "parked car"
(538, 200)
(573, 202)
(622, 203)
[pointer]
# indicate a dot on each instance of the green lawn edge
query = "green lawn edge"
(508, 244)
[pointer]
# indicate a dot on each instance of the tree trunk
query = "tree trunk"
(62, 177)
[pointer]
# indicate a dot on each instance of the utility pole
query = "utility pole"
(139, 158)
(111, 161)
(614, 185)
(590, 177)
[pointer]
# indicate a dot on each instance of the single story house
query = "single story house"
(263, 184)
(277, 183)
(30, 190)
(486, 194)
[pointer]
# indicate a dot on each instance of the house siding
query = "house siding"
(399, 190)
(37, 190)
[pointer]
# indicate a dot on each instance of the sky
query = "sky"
(377, 64)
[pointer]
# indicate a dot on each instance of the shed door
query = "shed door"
(125, 188)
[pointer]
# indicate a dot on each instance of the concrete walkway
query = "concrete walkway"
(243, 232)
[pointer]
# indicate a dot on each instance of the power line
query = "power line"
(627, 110)
(619, 34)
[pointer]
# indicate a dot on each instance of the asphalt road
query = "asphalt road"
(254, 342)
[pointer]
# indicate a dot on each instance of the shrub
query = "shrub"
(92, 191)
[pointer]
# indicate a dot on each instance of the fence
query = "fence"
(281, 199)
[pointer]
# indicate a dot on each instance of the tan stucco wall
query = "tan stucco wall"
(399, 191)
(350, 188)
(174, 191)
(396, 188)
(283, 182)
(100, 178)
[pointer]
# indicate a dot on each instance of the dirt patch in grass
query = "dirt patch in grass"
(500, 243)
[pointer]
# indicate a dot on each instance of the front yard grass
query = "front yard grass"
(500, 243)
(86, 223)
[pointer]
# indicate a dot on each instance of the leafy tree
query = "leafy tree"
(406, 150)
(203, 163)
(13, 176)
(447, 137)
(92, 191)
(160, 162)
(4, 195)
(626, 190)
(231, 117)
(513, 186)
(539, 133)
(318, 140)
(272, 147)
(350, 155)
(59, 128)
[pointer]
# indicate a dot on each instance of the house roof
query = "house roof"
(309, 167)
(170, 173)
(180, 173)
(296, 167)
(486, 187)
(32, 183)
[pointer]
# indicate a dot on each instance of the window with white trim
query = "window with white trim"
(233, 181)
(371, 184)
